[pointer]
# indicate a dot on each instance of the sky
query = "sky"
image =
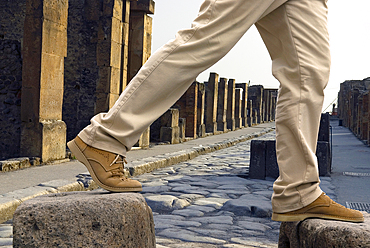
(349, 30)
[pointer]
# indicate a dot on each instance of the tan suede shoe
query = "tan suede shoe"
(105, 168)
(323, 208)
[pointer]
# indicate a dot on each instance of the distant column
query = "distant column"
(230, 115)
(222, 105)
(188, 106)
(238, 108)
(244, 110)
(255, 93)
(211, 103)
(201, 109)
(249, 113)
(44, 49)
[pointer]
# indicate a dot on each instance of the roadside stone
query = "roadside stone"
(325, 234)
(54, 218)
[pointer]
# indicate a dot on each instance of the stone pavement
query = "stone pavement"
(209, 202)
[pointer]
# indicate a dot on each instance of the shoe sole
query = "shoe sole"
(301, 217)
(76, 151)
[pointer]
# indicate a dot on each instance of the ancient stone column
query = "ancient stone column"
(170, 131)
(140, 45)
(44, 49)
(222, 105)
(238, 108)
(244, 110)
(255, 93)
(211, 103)
(267, 103)
(201, 109)
(109, 50)
(230, 115)
(188, 106)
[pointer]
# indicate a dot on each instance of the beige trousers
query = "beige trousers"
(295, 34)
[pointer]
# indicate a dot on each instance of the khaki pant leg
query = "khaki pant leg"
(297, 39)
(171, 70)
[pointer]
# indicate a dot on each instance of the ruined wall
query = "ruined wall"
(353, 107)
(12, 15)
(10, 97)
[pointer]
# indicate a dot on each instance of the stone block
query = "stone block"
(272, 168)
(202, 130)
(170, 118)
(324, 131)
(257, 166)
(263, 162)
(53, 140)
(323, 154)
(325, 234)
(230, 113)
(54, 38)
(146, 6)
(84, 219)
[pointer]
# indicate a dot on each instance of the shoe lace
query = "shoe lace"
(119, 172)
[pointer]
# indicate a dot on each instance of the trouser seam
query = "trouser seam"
(300, 95)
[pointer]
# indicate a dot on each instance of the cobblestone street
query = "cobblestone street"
(208, 202)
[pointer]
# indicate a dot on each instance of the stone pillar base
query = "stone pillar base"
(84, 219)
(47, 140)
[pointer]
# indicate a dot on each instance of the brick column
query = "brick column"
(44, 49)
(140, 45)
(201, 109)
(230, 115)
(244, 110)
(188, 106)
(211, 103)
(222, 105)
(238, 108)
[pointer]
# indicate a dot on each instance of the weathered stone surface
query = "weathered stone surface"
(324, 234)
(165, 203)
(84, 219)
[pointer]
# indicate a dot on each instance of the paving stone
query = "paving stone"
(191, 197)
(214, 220)
(165, 203)
(155, 189)
(6, 231)
(253, 226)
(188, 213)
(204, 209)
(189, 236)
(6, 242)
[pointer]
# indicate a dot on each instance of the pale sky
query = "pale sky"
(349, 28)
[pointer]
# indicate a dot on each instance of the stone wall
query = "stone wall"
(10, 97)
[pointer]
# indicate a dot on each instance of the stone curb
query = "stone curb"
(138, 167)
(10, 201)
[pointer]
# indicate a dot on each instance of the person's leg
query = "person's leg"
(160, 82)
(298, 42)
(171, 70)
